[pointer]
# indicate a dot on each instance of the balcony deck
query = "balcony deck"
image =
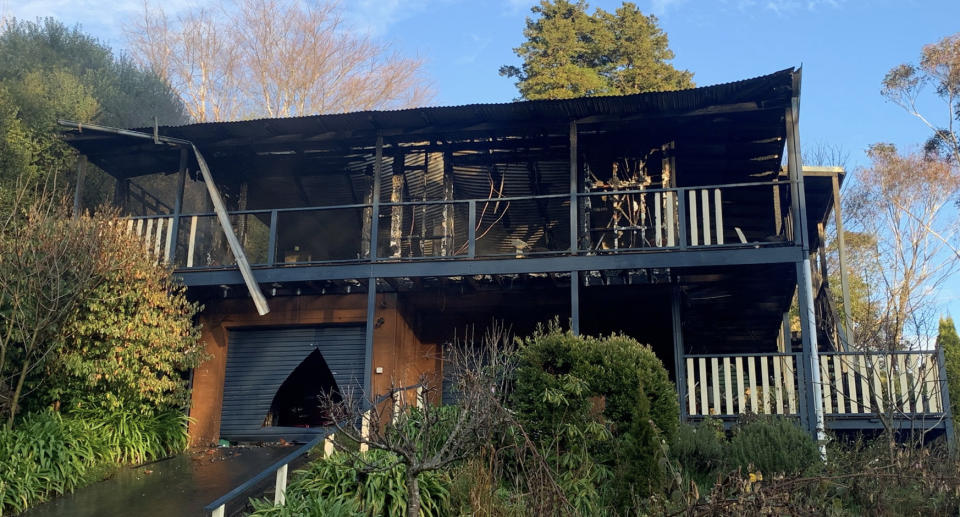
(622, 229)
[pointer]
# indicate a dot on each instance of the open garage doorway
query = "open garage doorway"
(275, 375)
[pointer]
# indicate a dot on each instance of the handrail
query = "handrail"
(461, 201)
(752, 354)
(221, 501)
(218, 507)
(880, 352)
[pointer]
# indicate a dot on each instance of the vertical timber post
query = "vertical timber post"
(397, 181)
(78, 193)
(178, 203)
(368, 339)
(575, 302)
(574, 187)
(842, 248)
(375, 202)
(680, 369)
(574, 230)
(447, 244)
(808, 329)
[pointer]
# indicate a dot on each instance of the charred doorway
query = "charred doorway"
(275, 376)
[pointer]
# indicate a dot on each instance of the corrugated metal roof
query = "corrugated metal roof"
(126, 156)
(777, 86)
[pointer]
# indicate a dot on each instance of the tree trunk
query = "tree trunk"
(413, 494)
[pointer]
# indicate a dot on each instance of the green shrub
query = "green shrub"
(343, 483)
(701, 449)
(598, 396)
(655, 382)
(131, 338)
(772, 445)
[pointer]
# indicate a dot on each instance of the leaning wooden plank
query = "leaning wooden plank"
(129, 226)
(192, 242)
(837, 383)
(704, 400)
(140, 228)
(752, 373)
(691, 384)
(741, 395)
(791, 385)
(778, 383)
(765, 382)
(715, 382)
(825, 384)
(259, 301)
(728, 386)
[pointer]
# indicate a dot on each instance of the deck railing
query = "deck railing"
(734, 384)
(898, 384)
(622, 220)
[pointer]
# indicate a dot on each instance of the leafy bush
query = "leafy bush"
(374, 486)
(131, 338)
(773, 446)
(577, 395)
(701, 449)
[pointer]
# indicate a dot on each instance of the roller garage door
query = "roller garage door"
(260, 360)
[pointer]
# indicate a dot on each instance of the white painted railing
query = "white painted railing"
(727, 385)
(706, 217)
(852, 383)
(156, 235)
(873, 382)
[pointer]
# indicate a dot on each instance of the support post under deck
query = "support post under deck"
(575, 302)
(842, 248)
(368, 344)
(808, 330)
(680, 370)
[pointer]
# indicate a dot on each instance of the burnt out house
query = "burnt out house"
(343, 251)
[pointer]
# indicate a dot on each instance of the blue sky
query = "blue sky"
(845, 47)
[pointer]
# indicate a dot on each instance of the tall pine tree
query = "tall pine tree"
(570, 53)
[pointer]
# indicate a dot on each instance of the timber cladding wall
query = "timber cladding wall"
(396, 348)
